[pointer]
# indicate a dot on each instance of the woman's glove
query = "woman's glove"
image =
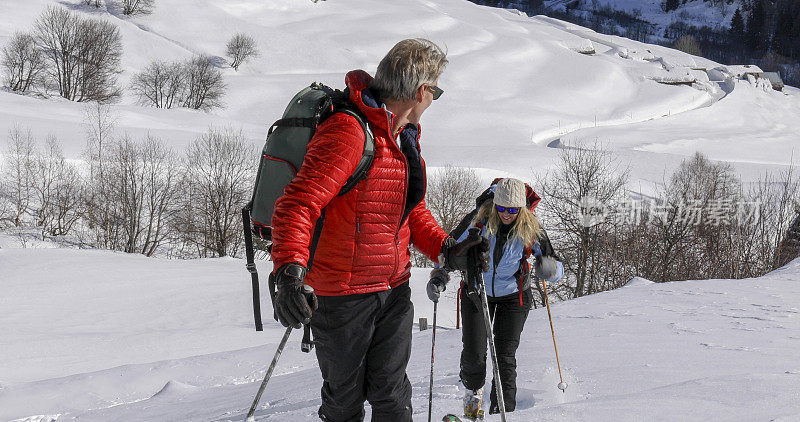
(546, 268)
(295, 300)
(437, 283)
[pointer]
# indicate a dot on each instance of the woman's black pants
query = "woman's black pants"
(509, 319)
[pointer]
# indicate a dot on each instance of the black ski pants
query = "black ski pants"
(509, 319)
(363, 346)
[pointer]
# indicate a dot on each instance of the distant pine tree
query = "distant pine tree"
(756, 32)
(782, 39)
(737, 25)
(670, 5)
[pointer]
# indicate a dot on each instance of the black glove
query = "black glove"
(455, 254)
(295, 300)
(437, 283)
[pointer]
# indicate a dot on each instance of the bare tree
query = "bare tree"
(100, 53)
(58, 191)
(160, 84)
(57, 36)
(205, 86)
(22, 62)
(776, 198)
(579, 193)
(67, 202)
(44, 180)
(19, 173)
(688, 44)
(99, 124)
(143, 189)
(693, 226)
(241, 48)
(138, 7)
(89, 2)
(5, 203)
(83, 55)
(451, 194)
(218, 180)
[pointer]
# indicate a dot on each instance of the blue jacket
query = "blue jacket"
(502, 278)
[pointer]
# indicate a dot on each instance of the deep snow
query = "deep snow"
(101, 336)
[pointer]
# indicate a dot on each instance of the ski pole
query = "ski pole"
(498, 385)
(433, 349)
(562, 385)
(251, 413)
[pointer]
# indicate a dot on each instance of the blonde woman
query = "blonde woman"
(514, 234)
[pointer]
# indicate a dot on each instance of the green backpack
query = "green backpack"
(283, 154)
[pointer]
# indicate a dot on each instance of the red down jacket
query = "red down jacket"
(366, 235)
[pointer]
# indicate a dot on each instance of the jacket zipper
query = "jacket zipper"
(495, 262)
(405, 193)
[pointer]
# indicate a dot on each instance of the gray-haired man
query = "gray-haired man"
(363, 323)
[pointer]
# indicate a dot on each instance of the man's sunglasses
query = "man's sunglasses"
(506, 209)
(437, 92)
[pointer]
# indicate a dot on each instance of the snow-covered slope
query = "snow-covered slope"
(514, 83)
(101, 336)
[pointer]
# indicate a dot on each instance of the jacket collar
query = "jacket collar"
(367, 101)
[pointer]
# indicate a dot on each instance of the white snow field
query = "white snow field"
(102, 336)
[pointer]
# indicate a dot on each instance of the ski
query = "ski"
(453, 418)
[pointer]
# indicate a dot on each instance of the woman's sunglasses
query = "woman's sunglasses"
(506, 209)
(437, 92)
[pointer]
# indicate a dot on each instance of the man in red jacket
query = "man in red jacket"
(356, 293)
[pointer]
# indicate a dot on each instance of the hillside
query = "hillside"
(511, 78)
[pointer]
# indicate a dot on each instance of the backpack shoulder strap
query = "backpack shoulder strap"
(360, 173)
(340, 103)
